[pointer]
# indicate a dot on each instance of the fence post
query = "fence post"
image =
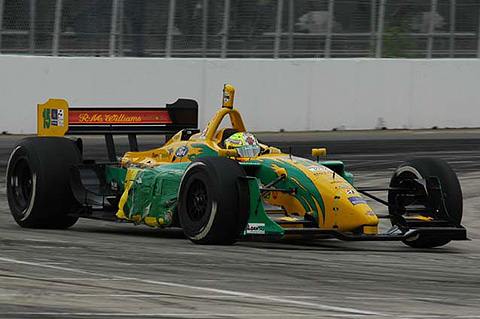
(171, 23)
(373, 17)
(2, 7)
(291, 23)
(31, 40)
(328, 39)
(205, 29)
(113, 29)
(278, 29)
(226, 22)
(121, 17)
(478, 44)
(452, 27)
(381, 24)
(56, 31)
(431, 28)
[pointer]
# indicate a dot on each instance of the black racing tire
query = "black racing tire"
(428, 167)
(38, 189)
(210, 201)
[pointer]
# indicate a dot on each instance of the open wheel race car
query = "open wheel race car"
(218, 185)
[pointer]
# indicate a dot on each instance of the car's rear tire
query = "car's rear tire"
(209, 207)
(427, 167)
(38, 191)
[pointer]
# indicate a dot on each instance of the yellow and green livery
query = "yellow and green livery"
(199, 181)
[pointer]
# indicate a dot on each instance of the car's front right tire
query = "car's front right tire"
(420, 168)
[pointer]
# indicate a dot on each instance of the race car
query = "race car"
(219, 185)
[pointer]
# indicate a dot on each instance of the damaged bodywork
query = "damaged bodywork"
(196, 181)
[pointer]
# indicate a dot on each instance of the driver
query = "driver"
(246, 144)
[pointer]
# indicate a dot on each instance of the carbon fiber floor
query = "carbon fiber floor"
(108, 270)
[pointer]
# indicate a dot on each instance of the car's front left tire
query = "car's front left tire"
(209, 207)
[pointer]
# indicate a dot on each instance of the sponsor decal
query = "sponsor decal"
(249, 139)
(256, 228)
(119, 117)
(318, 170)
(181, 151)
(350, 192)
(57, 117)
(113, 186)
(370, 213)
(234, 142)
(160, 155)
(344, 186)
(53, 117)
(204, 132)
(226, 97)
(168, 217)
(355, 200)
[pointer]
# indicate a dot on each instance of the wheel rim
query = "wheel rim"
(404, 179)
(21, 183)
(197, 200)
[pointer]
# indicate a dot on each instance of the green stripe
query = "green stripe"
(300, 176)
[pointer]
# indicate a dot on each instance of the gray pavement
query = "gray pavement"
(109, 270)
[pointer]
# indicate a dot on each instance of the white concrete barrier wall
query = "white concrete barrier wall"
(294, 95)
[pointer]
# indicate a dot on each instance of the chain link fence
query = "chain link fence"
(242, 28)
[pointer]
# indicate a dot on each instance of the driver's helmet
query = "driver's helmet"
(246, 144)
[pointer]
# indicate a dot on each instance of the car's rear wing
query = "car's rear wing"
(57, 118)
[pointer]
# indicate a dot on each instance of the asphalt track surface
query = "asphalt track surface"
(109, 270)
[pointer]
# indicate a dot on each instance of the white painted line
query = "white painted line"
(170, 315)
(66, 278)
(401, 298)
(42, 240)
(103, 295)
(438, 316)
(163, 296)
(153, 295)
(211, 290)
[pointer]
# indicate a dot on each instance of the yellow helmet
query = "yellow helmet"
(246, 144)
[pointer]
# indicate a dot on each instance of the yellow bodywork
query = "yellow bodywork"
(341, 208)
(209, 138)
(340, 213)
(131, 174)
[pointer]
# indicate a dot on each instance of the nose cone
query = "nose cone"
(348, 210)
(333, 201)
(345, 208)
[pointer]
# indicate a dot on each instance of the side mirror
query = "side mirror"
(319, 152)
(227, 153)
